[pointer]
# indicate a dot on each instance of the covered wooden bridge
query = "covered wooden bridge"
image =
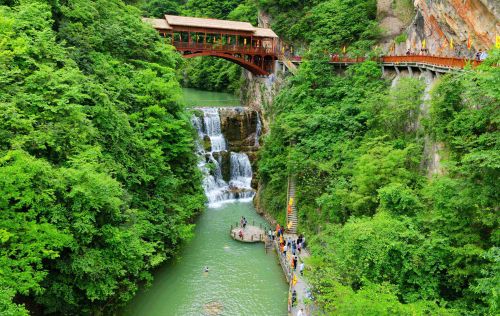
(251, 47)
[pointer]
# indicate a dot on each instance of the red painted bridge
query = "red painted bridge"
(253, 48)
(256, 49)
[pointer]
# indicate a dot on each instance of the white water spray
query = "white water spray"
(216, 188)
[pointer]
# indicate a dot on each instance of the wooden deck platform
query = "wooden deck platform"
(250, 234)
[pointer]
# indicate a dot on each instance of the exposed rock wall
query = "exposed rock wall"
(239, 126)
(441, 21)
(433, 151)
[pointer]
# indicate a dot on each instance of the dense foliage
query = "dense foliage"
(98, 180)
(395, 234)
(207, 73)
(329, 24)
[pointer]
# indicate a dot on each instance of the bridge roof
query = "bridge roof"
(175, 20)
(159, 24)
(262, 32)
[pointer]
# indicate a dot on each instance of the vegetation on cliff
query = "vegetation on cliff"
(390, 239)
(98, 180)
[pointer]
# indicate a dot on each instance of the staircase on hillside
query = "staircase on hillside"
(289, 65)
(291, 204)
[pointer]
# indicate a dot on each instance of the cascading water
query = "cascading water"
(216, 188)
(258, 130)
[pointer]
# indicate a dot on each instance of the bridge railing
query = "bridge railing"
(224, 48)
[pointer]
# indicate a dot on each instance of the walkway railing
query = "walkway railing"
(439, 61)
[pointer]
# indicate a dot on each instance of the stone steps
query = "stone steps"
(292, 217)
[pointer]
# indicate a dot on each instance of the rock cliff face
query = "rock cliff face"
(441, 21)
(241, 128)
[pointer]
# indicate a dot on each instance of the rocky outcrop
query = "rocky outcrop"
(439, 22)
(240, 127)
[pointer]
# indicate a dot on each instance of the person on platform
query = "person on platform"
(301, 312)
(240, 234)
(301, 268)
(408, 52)
(285, 248)
(295, 263)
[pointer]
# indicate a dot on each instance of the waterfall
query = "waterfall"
(212, 162)
(258, 131)
(241, 171)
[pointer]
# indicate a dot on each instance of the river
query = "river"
(242, 278)
(194, 97)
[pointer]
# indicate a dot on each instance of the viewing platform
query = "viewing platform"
(250, 233)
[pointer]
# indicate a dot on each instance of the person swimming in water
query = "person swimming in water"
(206, 269)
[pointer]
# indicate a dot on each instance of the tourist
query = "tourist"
(478, 55)
(270, 234)
(240, 234)
(301, 312)
(294, 247)
(285, 248)
(301, 268)
(295, 262)
(408, 52)
(299, 247)
(206, 269)
(294, 297)
(244, 222)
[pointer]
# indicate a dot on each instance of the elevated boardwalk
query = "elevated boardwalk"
(438, 64)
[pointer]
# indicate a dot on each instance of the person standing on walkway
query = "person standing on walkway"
(294, 297)
(301, 268)
(301, 312)
(285, 248)
(295, 262)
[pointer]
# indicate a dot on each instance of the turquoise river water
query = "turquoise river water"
(194, 97)
(242, 278)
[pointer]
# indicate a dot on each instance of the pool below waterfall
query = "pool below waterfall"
(242, 278)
